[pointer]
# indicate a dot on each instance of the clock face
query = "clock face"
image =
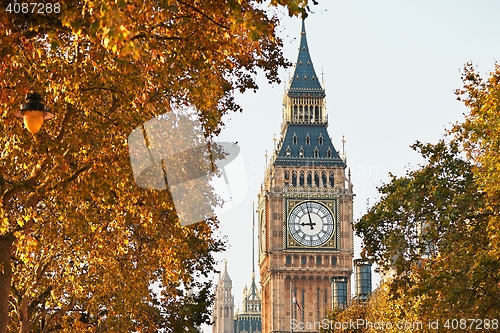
(311, 224)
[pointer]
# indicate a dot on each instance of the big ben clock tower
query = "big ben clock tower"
(305, 211)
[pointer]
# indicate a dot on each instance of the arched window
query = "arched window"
(329, 153)
(294, 178)
(323, 178)
(301, 114)
(331, 179)
(316, 179)
(301, 152)
(288, 151)
(303, 260)
(308, 140)
(301, 179)
(316, 152)
(294, 138)
(317, 116)
(309, 179)
(288, 260)
(295, 113)
(287, 175)
(320, 140)
(334, 261)
(318, 261)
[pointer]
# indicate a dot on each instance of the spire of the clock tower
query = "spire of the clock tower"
(305, 82)
(304, 99)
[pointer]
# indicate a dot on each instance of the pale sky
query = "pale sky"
(390, 68)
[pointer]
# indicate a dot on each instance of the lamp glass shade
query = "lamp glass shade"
(33, 120)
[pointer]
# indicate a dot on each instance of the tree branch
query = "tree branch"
(70, 110)
(203, 14)
(24, 185)
(77, 173)
(144, 35)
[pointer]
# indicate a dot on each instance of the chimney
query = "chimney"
(363, 271)
(339, 292)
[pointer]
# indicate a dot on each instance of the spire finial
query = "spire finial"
(253, 239)
(343, 144)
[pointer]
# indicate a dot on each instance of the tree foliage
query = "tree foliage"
(430, 229)
(480, 137)
(436, 228)
(81, 246)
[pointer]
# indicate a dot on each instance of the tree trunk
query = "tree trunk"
(23, 316)
(6, 245)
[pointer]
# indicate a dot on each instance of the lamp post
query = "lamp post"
(33, 112)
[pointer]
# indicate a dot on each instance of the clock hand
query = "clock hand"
(309, 215)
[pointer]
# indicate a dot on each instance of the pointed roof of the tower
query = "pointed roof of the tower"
(225, 275)
(253, 292)
(305, 81)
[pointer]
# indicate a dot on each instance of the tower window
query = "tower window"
(308, 139)
(294, 138)
(301, 179)
(305, 77)
(320, 139)
(308, 62)
(288, 261)
(318, 261)
(294, 178)
(316, 152)
(334, 261)
(309, 179)
(329, 153)
(331, 179)
(288, 151)
(287, 175)
(303, 260)
(317, 115)
(301, 152)
(316, 179)
(323, 178)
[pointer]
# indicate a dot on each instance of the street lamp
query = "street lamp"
(33, 112)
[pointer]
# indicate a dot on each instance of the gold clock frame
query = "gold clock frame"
(332, 204)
